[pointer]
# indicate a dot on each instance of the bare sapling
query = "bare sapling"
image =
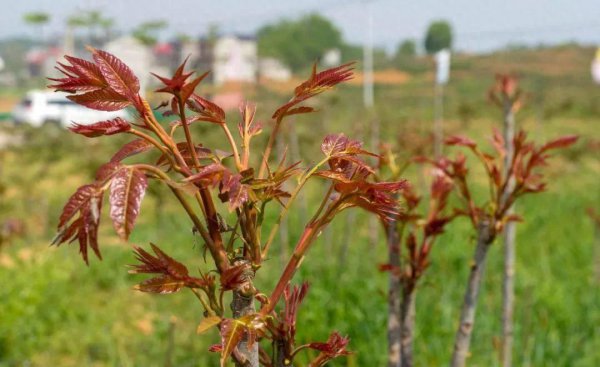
(507, 95)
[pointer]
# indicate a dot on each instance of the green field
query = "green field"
(55, 311)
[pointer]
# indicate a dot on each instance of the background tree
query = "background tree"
(299, 43)
(407, 48)
(406, 58)
(37, 19)
(438, 37)
(147, 32)
(99, 28)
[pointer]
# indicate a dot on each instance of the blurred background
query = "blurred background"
(419, 65)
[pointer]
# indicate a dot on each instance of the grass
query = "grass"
(56, 312)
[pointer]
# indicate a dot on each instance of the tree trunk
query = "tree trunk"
(508, 287)
(279, 358)
(241, 305)
(408, 326)
(467, 316)
(394, 332)
(508, 293)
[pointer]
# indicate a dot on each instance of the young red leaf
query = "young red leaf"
(293, 297)
(232, 190)
(298, 110)
(209, 175)
(207, 323)
(102, 100)
(317, 83)
(132, 148)
(232, 332)
(80, 198)
(173, 274)
(208, 110)
(87, 202)
(334, 347)
(460, 140)
(106, 171)
(119, 76)
(108, 127)
(161, 263)
(81, 76)
(561, 142)
(127, 190)
(163, 284)
(235, 276)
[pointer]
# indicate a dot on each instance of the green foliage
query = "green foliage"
(147, 32)
(408, 48)
(438, 37)
(36, 18)
(298, 43)
(55, 312)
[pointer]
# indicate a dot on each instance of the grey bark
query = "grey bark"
(508, 293)
(467, 316)
(394, 332)
(508, 287)
(242, 304)
(408, 326)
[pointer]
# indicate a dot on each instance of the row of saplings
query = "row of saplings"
(249, 185)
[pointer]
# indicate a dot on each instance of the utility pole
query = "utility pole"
(369, 102)
(368, 98)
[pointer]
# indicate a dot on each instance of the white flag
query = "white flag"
(442, 62)
(596, 67)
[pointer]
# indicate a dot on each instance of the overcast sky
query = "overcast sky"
(479, 25)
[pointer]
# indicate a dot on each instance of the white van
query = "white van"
(42, 107)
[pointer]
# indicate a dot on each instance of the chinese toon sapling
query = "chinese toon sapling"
(490, 216)
(197, 176)
(507, 96)
(410, 238)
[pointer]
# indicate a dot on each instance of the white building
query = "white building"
(273, 69)
(235, 59)
(137, 56)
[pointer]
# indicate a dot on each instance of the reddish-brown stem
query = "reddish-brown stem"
(158, 145)
(292, 266)
(164, 138)
(186, 129)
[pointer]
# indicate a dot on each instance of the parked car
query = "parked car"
(40, 107)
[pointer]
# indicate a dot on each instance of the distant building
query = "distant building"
(235, 59)
(136, 55)
(198, 52)
(41, 61)
(273, 69)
